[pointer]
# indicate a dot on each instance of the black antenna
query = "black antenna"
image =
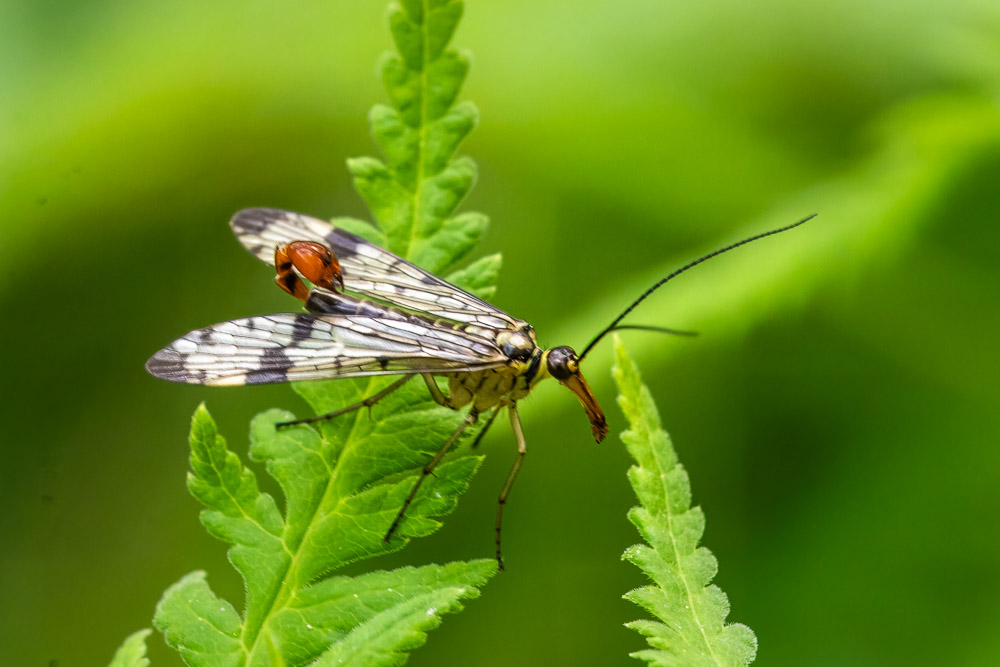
(664, 330)
(614, 324)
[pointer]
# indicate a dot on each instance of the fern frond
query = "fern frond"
(691, 631)
(344, 480)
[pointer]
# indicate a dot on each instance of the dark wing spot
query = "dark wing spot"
(344, 244)
(274, 367)
(254, 220)
(168, 364)
(302, 327)
(266, 377)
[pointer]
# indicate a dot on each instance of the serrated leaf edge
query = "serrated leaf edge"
(626, 374)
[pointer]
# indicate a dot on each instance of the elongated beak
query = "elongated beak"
(576, 384)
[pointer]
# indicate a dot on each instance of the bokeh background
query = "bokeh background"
(838, 414)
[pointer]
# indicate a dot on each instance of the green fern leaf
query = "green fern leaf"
(414, 192)
(692, 612)
(480, 277)
(338, 505)
(344, 480)
(132, 652)
(362, 228)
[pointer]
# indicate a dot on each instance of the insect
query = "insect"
(408, 323)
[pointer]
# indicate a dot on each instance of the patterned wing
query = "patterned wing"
(368, 269)
(310, 346)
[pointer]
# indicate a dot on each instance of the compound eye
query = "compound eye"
(562, 363)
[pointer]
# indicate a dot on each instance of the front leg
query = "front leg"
(437, 394)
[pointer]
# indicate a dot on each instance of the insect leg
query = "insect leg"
(522, 449)
(436, 392)
(367, 403)
(489, 422)
(470, 419)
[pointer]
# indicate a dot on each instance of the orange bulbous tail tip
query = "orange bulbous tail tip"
(314, 261)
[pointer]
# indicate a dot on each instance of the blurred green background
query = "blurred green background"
(838, 415)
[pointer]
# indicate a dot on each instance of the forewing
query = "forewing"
(367, 269)
(306, 346)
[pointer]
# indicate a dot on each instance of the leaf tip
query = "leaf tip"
(132, 652)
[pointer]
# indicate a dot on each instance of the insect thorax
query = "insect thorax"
(507, 384)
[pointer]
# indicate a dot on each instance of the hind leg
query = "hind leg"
(471, 419)
(367, 403)
(522, 450)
